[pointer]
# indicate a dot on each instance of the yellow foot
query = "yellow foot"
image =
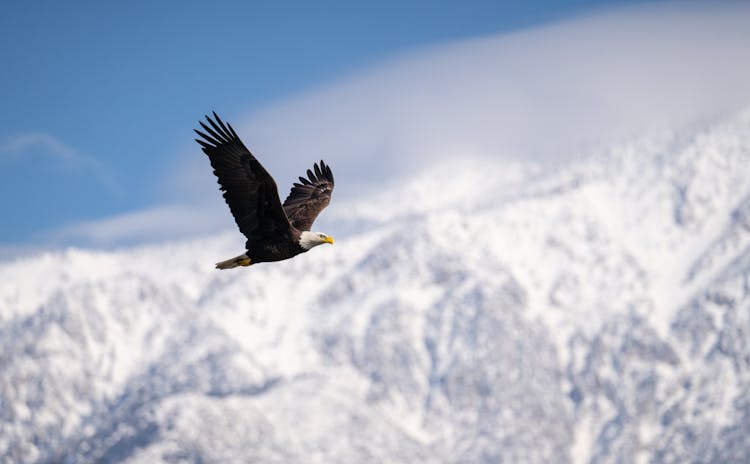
(244, 261)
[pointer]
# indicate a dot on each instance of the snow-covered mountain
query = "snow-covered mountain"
(598, 312)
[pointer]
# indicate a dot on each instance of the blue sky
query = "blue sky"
(100, 100)
(100, 97)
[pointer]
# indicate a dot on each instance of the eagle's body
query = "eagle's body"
(274, 231)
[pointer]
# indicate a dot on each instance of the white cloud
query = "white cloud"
(545, 94)
(41, 144)
(153, 224)
(22, 144)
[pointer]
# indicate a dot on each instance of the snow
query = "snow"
(594, 312)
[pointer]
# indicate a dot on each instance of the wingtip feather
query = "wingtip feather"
(220, 127)
(223, 128)
(202, 143)
(206, 137)
(329, 174)
(231, 129)
(213, 133)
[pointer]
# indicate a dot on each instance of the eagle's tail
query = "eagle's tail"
(241, 260)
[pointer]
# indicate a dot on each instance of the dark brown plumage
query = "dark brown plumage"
(308, 197)
(274, 231)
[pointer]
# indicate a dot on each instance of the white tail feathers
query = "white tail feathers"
(241, 260)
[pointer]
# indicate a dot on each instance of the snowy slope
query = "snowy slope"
(480, 313)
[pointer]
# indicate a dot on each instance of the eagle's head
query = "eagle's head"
(309, 239)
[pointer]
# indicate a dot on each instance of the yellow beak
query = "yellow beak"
(329, 240)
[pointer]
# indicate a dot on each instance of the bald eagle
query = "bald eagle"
(274, 231)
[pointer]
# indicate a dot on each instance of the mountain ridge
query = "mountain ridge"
(596, 313)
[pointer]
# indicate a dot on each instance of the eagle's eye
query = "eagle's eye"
(321, 235)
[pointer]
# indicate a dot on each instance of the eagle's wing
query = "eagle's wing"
(308, 198)
(249, 189)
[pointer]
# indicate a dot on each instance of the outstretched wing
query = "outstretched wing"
(249, 189)
(308, 198)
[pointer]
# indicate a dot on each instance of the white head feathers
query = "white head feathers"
(309, 239)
